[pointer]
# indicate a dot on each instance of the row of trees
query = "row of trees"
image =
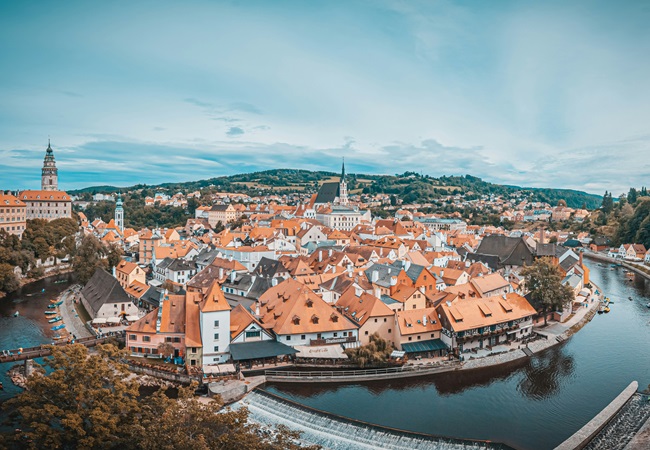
(90, 401)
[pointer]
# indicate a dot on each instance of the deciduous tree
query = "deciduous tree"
(543, 280)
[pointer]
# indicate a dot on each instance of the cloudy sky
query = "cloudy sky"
(546, 94)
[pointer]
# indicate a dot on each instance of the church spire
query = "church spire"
(343, 170)
(49, 173)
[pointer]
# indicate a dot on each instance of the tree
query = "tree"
(89, 258)
(608, 203)
(632, 196)
(375, 353)
(8, 280)
(113, 255)
(89, 401)
(166, 349)
(543, 280)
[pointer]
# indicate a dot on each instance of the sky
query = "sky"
(541, 94)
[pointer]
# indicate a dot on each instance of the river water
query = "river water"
(532, 404)
(30, 328)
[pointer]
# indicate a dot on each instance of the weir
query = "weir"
(336, 432)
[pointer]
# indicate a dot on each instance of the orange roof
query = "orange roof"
(10, 200)
(361, 308)
(240, 318)
(489, 283)
(126, 266)
(57, 196)
(480, 312)
(412, 321)
(136, 289)
(172, 320)
(192, 325)
(214, 299)
(292, 308)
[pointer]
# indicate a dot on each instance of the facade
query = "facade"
(473, 323)
(214, 319)
(165, 324)
(223, 214)
(418, 333)
(127, 272)
(48, 205)
(341, 217)
(12, 215)
(368, 312)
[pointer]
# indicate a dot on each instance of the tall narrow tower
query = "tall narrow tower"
(343, 187)
(49, 174)
(119, 213)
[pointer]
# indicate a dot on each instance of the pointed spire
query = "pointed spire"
(343, 170)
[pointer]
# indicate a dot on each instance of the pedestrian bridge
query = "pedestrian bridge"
(42, 351)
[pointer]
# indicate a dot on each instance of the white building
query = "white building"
(214, 319)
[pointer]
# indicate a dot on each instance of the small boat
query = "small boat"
(54, 300)
(56, 319)
(58, 327)
(16, 314)
(648, 305)
(629, 298)
(51, 312)
(59, 303)
(606, 310)
(52, 306)
(60, 281)
(600, 309)
(56, 337)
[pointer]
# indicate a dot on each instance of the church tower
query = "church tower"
(49, 174)
(119, 214)
(343, 187)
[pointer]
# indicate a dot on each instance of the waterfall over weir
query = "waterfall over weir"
(338, 433)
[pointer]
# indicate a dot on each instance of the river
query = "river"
(30, 328)
(532, 404)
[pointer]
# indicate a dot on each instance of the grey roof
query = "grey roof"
(219, 208)
(510, 251)
(180, 264)
(259, 349)
(568, 262)
(327, 192)
(384, 272)
(546, 249)
(269, 268)
(338, 284)
(492, 261)
(103, 288)
(205, 257)
(164, 264)
(388, 300)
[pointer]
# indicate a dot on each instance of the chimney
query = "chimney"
(424, 320)
(320, 256)
(329, 253)
(393, 281)
(542, 235)
(257, 309)
(220, 273)
(274, 282)
(233, 275)
(407, 265)
(377, 292)
(374, 276)
(580, 256)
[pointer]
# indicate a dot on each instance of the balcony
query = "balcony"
(330, 341)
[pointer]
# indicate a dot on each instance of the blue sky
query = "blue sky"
(545, 94)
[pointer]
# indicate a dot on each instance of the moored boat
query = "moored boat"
(51, 306)
(16, 314)
(601, 309)
(56, 337)
(606, 309)
(55, 319)
(51, 312)
(58, 327)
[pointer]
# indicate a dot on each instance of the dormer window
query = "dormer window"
(296, 320)
(314, 318)
(310, 303)
(334, 317)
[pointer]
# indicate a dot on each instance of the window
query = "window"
(288, 338)
(146, 338)
(414, 306)
(168, 339)
(384, 320)
(177, 339)
(216, 324)
(302, 337)
(366, 332)
(216, 348)
(432, 335)
(215, 359)
(410, 338)
(419, 337)
(253, 333)
(193, 349)
(216, 336)
(133, 337)
(375, 320)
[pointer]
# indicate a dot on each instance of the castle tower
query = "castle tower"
(119, 214)
(343, 187)
(49, 174)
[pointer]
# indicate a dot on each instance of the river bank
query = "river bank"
(53, 272)
(639, 270)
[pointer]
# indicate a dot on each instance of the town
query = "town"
(255, 282)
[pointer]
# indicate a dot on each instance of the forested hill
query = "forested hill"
(411, 187)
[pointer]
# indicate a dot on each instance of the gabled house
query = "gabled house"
(103, 297)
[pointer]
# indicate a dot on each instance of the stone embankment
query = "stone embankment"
(581, 438)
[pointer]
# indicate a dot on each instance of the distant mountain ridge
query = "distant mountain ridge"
(411, 187)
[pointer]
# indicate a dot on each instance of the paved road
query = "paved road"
(73, 322)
